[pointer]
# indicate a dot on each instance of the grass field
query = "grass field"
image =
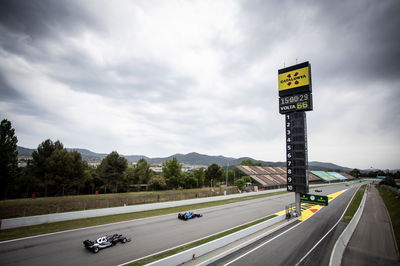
(26, 231)
(392, 203)
(351, 210)
(46, 205)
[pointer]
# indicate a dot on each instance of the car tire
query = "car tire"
(124, 240)
(95, 249)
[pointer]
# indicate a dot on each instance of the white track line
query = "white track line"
(133, 220)
(254, 249)
(79, 229)
(165, 250)
(259, 246)
(308, 253)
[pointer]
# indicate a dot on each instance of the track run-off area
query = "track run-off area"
(156, 234)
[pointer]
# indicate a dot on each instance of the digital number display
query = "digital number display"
(297, 102)
(289, 159)
(296, 152)
(294, 98)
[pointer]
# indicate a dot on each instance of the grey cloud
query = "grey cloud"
(7, 92)
(39, 18)
(27, 26)
(351, 45)
(361, 33)
(137, 79)
(20, 104)
(266, 24)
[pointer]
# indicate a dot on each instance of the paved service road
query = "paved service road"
(372, 242)
(290, 245)
(149, 235)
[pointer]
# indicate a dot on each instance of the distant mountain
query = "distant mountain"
(327, 166)
(89, 155)
(24, 151)
(192, 158)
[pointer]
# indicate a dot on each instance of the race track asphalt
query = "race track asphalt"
(289, 245)
(148, 235)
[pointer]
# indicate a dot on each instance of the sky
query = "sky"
(157, 78)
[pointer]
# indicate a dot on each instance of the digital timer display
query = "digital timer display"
(296, 102)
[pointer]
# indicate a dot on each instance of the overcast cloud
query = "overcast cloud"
(156, 78)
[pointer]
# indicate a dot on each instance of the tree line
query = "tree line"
(55, 171)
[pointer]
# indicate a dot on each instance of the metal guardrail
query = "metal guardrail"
(57, 217)
(344, 238)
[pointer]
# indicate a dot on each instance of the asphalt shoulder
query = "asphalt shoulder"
(373, 241)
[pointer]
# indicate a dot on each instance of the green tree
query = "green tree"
(172, 172)
(129, 178)
(111, 171)
(142, 172)
(57, 170)
(189, 181)
(241, 182)
(231, 176)
(389, 181)
(92, 181)
(25, 183)
(138, 174)
(41, 168)
(355, 172)
(213, 174)
(8, 157)
(249, 162)
(157, 182)
(200, 176)
(67, 170)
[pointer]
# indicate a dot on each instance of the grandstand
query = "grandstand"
(275, 177)
(324, 176)
(269, 177)
(332, 176)
(337, 175)
(347, 175)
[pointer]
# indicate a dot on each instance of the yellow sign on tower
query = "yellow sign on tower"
(294, 79)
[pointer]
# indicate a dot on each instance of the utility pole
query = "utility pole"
(226, 182)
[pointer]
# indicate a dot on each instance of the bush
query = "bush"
(241, 182)
(389, 181)
(157, 183)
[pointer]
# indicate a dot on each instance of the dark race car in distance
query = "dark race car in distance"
(188, 215)
(318, 190)
(104, 242)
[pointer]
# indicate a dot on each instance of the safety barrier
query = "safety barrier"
(64, 216)
(57, 217)
(344, 238)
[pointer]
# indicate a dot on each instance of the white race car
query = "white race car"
(105, 242)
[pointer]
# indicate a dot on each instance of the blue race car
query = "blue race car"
(188, 215)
